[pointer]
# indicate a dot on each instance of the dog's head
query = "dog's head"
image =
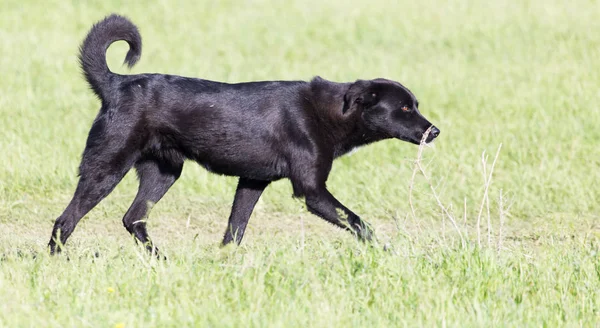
(388, 108)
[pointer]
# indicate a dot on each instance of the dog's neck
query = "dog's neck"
(346, 131)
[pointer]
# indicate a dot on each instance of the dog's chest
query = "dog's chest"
(352, 151)
(348, 151)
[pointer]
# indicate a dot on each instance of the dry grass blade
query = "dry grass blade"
(488, 182)
(419, 167)
(412, 181)
(501, 209)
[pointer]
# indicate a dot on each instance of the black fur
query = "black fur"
(258, 131)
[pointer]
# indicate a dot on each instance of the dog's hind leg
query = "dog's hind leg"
(156, 177)
(109, 153)
(247, 194)
(97, 179)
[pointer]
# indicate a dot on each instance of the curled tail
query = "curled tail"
(92, 55)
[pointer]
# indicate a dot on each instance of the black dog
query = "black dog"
(258, 131)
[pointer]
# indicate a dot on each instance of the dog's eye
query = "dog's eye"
(374, 95)
(405, 109)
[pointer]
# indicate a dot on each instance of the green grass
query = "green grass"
(523, 74)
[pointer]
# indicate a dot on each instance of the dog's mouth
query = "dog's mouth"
(430, 139)
(415, 140)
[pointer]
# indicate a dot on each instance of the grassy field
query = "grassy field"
(521, 74)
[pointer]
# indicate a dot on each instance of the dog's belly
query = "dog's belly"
(244, 165)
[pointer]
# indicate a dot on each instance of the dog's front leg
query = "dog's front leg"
(322, 203)
(247, 194)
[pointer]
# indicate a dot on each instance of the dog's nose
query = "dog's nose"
(435, 132)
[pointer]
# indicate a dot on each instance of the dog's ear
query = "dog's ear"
(360, 95)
